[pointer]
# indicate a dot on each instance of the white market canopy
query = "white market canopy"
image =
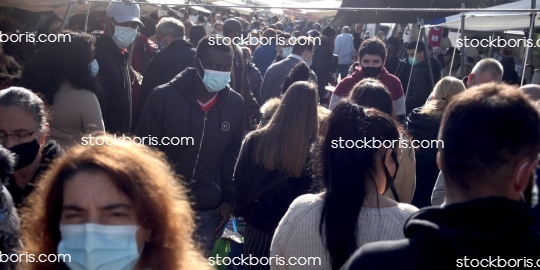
(491, 21)
(320, 14)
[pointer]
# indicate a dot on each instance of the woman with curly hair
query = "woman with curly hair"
(111, 207)
(63, 72)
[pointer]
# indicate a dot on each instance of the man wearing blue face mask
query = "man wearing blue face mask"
(200, 107)
(420, 84)
(112, 55)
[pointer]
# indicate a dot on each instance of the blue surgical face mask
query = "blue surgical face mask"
(99, 247)
(215, 81)
(413, 61)
(287, 51)
(94, 68)
(124, 36)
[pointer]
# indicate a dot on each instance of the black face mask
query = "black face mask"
(389, 178)
(371, 72)
(26, 153)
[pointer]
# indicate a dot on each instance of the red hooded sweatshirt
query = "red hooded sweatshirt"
(390, 81)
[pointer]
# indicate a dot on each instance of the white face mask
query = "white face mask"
(94, 68)
(124, 36)
(97, 247)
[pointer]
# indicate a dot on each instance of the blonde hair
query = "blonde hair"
(143, 174)
(285, 141)
(442, 93)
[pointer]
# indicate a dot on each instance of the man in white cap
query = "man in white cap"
(121, 22)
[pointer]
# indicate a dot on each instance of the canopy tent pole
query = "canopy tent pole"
(462, 39)
(423, 32)
(454, 54)
(490, 52)
(415, 50)
(86, 21)
(66, 17)
(528, 69)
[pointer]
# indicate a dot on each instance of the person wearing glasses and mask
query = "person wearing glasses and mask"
(200, 107)
(23, 131)
(112, 46)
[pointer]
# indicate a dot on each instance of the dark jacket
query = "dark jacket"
(392, 64)
(322, 62)
(10, 226)
(255, 81)
(240, 84)
(275, 76)
(114, 77)
(263, 196)
(50, 151)
(143, 51)
(263, 57)
(424, 127)
(441, 238)
(206, 161)
(162, 69)
(279, 57)
(420, 85)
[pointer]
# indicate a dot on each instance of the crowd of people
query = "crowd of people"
(263, 126)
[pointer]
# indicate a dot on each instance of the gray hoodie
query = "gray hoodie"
(344, 48)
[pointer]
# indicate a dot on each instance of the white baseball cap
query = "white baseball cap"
(124, 13)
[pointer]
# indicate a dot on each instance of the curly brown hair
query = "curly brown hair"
(144, 175)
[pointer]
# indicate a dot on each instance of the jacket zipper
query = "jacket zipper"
(199, 152)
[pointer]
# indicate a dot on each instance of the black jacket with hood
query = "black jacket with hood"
(178, 56)
(424, 127)
(206, 161)
(114, 77)
(442, 238)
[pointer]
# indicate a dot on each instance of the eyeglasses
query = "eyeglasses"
(20, 136)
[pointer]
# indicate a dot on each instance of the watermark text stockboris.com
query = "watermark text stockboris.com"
(147, 140)
(33, 37)
(30, 258)
(249, 41)
(274, 260)
(498, 42)
(498, 262)
(375, 143)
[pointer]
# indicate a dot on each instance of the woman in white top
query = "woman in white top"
(64, 74)
(352, 211)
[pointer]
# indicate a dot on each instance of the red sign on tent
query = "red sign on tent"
(435, 36)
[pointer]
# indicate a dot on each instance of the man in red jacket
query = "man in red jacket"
(372, 56)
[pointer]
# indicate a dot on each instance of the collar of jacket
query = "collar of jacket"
(184, 82)
(180, 43)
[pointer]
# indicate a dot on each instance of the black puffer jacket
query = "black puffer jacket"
(207, 161)
(420, 85)
(264, 196)
(114, 77)
(424, 127)
(322, 63)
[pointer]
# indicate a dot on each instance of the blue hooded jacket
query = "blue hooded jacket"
(263, 57)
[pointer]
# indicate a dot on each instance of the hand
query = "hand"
(358, 28)
(224, 210)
